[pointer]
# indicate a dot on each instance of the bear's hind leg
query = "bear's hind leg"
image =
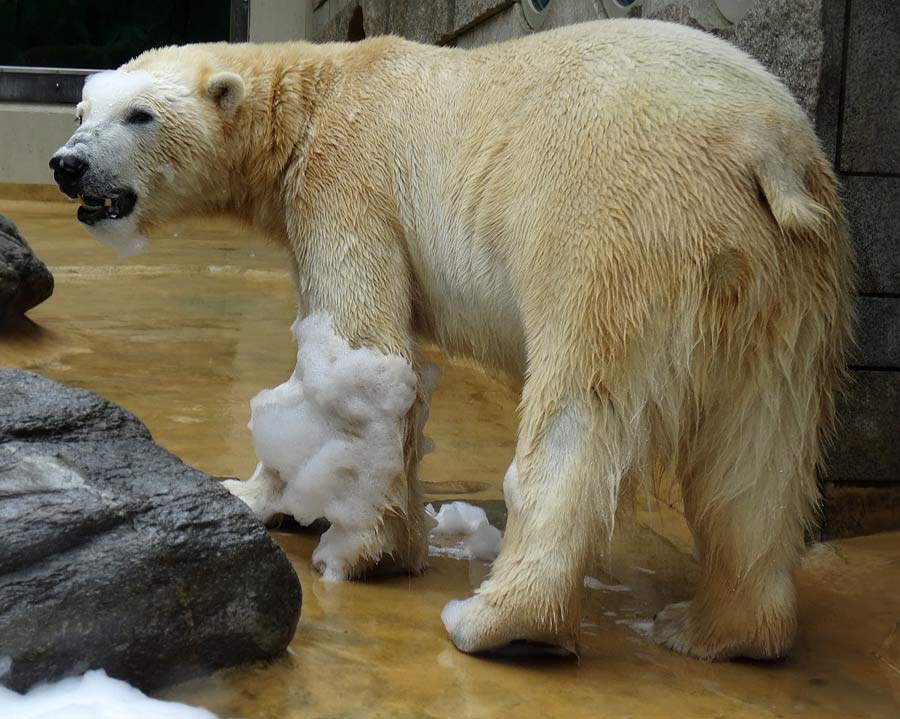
(749, 490)
(746, 603)
(573, 451)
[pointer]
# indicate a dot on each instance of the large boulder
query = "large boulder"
(25, 281)
(116, 555)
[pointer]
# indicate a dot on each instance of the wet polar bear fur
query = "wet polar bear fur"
(631, 219)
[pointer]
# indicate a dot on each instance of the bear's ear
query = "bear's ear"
(226, 89)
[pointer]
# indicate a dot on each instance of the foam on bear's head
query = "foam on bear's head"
(108, 144)
(123, 237)
(107, 92)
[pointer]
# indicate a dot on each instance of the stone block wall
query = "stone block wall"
(841, 59)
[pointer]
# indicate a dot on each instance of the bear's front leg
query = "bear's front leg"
(340, 439)
(376, 462)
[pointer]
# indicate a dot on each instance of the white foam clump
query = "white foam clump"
(92, 696)
(479, 538)
(333, 433)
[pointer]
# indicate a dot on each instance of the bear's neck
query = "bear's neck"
(269, 135)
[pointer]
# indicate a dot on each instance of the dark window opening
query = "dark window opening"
(46, 44)
(103, 33)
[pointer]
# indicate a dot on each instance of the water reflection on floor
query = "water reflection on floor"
(186, 334)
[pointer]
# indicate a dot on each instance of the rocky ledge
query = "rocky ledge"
(116, 555)
(25, 281)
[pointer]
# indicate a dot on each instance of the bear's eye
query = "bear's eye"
(139, 117)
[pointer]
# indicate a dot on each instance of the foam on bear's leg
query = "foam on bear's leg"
(334, 434)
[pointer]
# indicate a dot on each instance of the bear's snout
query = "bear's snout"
(67, 171)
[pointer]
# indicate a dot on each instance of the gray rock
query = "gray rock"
(828, 107)
(428, 22)
(467, 13)
(116, 555)
(504, 25)
(25, 281)
(860, 493)
(336, 28)
(560, 14)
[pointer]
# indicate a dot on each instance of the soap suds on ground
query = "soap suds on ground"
(644, 627)
(643, 570)
(92, 696)
(594, 583)
(478, 539)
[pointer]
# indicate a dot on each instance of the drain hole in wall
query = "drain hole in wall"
(356, 30)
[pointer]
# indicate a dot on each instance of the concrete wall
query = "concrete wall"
(30, 134)
(840, 58)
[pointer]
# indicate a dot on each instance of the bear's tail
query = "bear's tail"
(792, 205)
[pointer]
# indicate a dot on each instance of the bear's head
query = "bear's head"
(148, 147)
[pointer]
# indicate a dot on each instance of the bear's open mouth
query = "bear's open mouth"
(97, 209)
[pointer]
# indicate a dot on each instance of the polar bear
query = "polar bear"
(631, 219)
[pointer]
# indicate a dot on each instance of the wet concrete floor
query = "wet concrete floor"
(186, 334)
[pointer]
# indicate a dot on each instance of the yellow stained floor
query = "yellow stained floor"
(185, 335)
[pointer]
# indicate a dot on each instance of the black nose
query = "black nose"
(67, 168)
